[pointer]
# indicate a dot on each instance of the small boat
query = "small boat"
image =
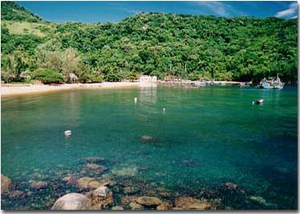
(271, 84)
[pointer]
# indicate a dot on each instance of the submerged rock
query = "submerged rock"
(99, 202)
(70, 180)
(90, 183)
(128, 199)
(260, 200)
(232, 188)
(164, 206)
(147, 138)
(125, 171)
(117, 208)
(189, 203)
(39, 185)
(95, 159)
(148, 201)
(92, 167)
(17, 194)
(5, 184)
(129, 190)
(135, 206)
(72, 201)
(164, 192)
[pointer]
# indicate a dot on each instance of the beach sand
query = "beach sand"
(19, 89)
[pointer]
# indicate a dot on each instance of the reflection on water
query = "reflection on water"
(205, 138)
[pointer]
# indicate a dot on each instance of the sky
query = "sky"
(115, 11)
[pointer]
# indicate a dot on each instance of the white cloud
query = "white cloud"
(291, 11)
(219, 8)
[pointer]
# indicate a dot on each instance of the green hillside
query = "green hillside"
(185, 46)
(14, 12)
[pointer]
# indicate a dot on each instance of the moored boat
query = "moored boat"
(271, 84)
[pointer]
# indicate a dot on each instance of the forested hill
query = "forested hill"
(185, 46)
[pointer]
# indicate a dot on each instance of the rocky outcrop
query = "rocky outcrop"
(5, 184)
(72, 201)
(189, 203)
(148, 201)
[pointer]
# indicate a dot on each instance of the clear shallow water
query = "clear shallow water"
(206, 136)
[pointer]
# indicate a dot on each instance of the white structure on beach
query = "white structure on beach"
(146, 78)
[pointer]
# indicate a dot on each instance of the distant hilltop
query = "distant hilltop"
(157, 44)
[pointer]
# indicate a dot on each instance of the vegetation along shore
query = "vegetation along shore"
(165, 45)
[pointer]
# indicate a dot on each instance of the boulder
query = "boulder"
(148, 201)
(72, 201)
(135, 206)
(189, 203)
(5, 184)
(39, 185)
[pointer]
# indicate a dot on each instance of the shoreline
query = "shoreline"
(8, 90)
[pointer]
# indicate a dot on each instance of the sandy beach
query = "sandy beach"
(19, 89)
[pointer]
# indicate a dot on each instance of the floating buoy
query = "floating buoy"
(260, 101)
(253, 102)
(164, 110)
(135, 100)
(68, 133)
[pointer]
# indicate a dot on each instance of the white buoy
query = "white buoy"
(68, 133)
(135, 100)
(253, 102)
(164, 110)
(260, 101)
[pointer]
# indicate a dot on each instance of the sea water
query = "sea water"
(200, 137)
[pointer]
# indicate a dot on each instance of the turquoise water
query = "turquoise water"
(205, 137)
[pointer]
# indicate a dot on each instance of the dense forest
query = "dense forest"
(165, 45)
